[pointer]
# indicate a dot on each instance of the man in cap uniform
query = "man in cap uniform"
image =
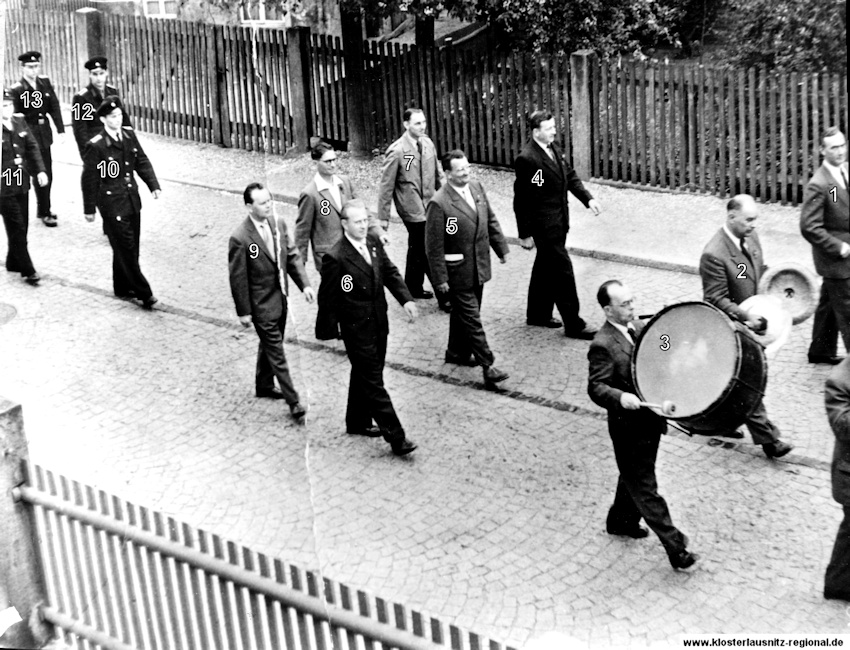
(109, 162)
(34, 96)
(21, 159)
(86, 102)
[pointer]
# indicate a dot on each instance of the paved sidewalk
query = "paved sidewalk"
(496, 522)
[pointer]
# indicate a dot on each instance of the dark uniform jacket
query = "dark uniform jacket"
(85, 122)
(351, 295)
(453, 228)
(20, 152)
(826, 224)
(109, 182)
(837, 394)
(610, 375)
(41, 101)
(728, 277)
(542, 209)
(255, 271)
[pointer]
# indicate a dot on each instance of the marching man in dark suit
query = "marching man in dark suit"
(319, 206)
(837, 394)
(21, 159)
(352, 304)
(730, 267)
(543, 179)
(260, 257)
(110, 163)
(36, 99)
(635, 430)
(460, 230)
(825, 223)
(410, 177)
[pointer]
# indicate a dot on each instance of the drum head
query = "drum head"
(687, 354)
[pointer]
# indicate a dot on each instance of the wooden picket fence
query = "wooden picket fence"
(52, 34)
(712, 130)
(50, 5)
(120, 576)
(328, 88)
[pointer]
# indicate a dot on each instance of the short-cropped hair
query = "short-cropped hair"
(537, 118)
(828, 133)
(353, 204)
(320, 150)
(249, 190)
(602, 295)
(454, 154)
(408, 113)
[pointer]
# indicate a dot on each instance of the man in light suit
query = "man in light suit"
(730, 267)
(260, 257)
(410, 177)
(634, 429)
(352, 305)
(460, 229)
(825, 223)
(837, 395)
(543, 179)
(319, 206)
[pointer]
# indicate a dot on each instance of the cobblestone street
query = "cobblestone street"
(496, 522)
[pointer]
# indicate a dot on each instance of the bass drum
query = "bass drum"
(693, 355)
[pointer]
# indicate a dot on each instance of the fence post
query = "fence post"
(88, 33)
(21, 572)
(582, 67)
(356, 87)
(300, 86)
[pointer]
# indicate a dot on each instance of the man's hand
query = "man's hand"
(443, 287)
(410, 308)
(89, 217)
(596, 206)
(845, 249)
(527, 243)
(309, 294)
(156, 193)
(60, 138)
(385, 239)
(756, 323)
(504, 258)
(629, 401)
(245, 320)
(42, 179)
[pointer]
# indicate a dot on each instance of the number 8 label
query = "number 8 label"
(451, 225)
(326, 208)
(347, 283)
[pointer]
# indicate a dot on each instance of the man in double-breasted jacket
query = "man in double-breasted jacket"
(459, 232)
(352, 305)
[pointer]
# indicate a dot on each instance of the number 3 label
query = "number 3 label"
(451, 225)
(347, 283)
(254, 251)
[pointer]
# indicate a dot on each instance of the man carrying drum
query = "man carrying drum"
(730, 268)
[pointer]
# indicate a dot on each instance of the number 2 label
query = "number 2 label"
(743, 274)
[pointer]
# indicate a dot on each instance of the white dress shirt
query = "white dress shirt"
(466, 194)
(625, 330)
(332, 187)
(361, 248)
(836, 173)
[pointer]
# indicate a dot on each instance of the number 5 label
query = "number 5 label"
(451, 225)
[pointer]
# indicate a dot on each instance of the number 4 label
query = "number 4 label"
(537, 179)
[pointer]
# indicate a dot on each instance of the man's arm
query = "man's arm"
(577, 188)
(600, 377)
(54, 109)
(497, 239)
(144, 168)
(327, 321)
(812, 221)
(837, 398)
(435, 242)
(387, 184)
(80, 110)
(91, 176)
(35, 163)
(715, 287)
(237, 260)
(524, 170)
(304, 223)
(294, 265)
(392, 278)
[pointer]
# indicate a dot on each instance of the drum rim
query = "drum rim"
(730, 386)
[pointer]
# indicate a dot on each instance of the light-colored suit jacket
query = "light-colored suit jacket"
(408, 179)
(728, 277)
(825, 223)
(453, 228)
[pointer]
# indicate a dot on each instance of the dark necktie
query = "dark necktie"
(421, 166)
(844, 178)
(745, 250)
(631, 334)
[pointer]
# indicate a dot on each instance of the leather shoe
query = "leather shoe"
(148, 303)
(683, 560)
(776, 449)
(552, 323)
(831, 359)
(297, 410)
(422, 295)
(730, 433)
(404, 447)
(49, 220)
(446, 306)
(369, 432)
(585, 334)
(33, 279)
(835, 595)
(639, 532)
(271, 393)
(492, 375)
(458, 360)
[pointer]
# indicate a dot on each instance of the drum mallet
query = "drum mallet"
(666, 407)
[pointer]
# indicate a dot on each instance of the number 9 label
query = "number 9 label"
(347, 283)
(326, 208)
(254, 251)
(451, 225)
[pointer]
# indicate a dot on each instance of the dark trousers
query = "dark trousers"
(417, 263)
(831, 317)
(466, 333)
(762, 430)
(837, 580)
(124, 234)
(42, 194)
(271, 360)
(16, 217)
(368, 400)
(637, 490)
(552, 283)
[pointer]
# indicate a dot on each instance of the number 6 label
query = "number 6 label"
(347, 283)
(451, 225)
(254, 251)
